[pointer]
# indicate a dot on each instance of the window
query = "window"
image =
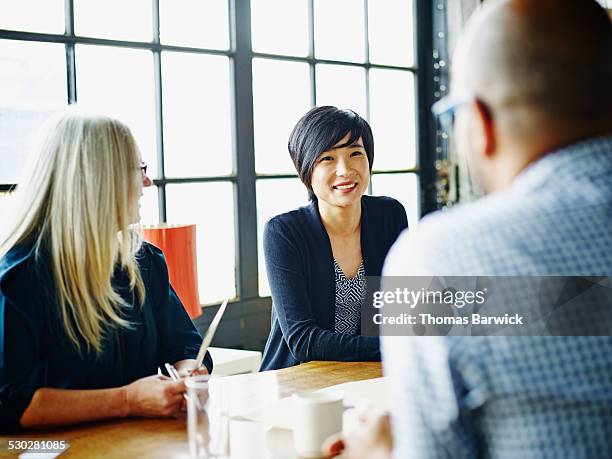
(170, 83)
(211, 91)
(349, 53)
(32, 85)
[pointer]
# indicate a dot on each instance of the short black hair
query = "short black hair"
(318, 131)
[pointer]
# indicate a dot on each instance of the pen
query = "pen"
(173, 373)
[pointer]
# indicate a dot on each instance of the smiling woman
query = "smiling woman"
(317, 256)
(341, 175)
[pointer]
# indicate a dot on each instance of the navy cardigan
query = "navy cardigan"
(300, 269)
(35, 351)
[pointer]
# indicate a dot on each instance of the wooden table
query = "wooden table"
(167, 438)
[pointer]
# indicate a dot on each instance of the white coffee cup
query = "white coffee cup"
(317, 416)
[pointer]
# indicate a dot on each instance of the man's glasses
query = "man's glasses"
(445, 110)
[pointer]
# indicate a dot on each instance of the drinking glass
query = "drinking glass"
(207, 418)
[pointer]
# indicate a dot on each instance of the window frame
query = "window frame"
(244, 178)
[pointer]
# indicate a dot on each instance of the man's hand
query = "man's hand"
(370, 440)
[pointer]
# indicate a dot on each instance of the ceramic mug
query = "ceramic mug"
(317, 416)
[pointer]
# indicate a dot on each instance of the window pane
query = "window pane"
(281, 96)
(214, 218)
(343, 86)
(391, 29)
(280, 27)
(32, 85)
(195, 23)
(18, 15)
(392, 114)
(116, 19)
(149, 206)
(404, 188)
(197, 130)
(120, 82)
(340, 30)
(6, 211)
(270, 203)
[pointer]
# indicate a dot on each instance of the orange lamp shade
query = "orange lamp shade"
(178, 242)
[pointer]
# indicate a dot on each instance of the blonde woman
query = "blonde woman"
(87, 313)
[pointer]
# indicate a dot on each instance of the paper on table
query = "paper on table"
(33, 454)
(371, 392)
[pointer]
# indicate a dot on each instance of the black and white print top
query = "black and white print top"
(350, 293)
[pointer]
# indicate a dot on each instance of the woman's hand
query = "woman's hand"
(154, 396)
(187, 368)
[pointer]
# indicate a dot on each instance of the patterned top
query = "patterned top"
(510, 397)
(350, 293)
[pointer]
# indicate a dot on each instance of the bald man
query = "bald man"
(532, 97)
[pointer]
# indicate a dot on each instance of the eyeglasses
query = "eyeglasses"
(445, 110)
(143, 168)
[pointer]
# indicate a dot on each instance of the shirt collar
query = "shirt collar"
(590, 154)
(14, 257)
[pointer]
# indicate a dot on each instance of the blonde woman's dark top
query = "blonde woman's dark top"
(35, 351)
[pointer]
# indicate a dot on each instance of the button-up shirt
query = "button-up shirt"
(504, 396)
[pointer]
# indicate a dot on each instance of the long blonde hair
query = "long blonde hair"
(74, 205)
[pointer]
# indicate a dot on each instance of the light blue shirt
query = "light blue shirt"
(510, 397)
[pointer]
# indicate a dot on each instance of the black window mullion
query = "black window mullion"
(367, 69)
(244, 151)
(70, 60)
(159, 120)
(313, 84)
(311, 54)
(366, 22)
(425, 89)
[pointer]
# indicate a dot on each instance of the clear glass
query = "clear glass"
(391, 32)
(198, 421)
(120, 81)
(280, 27)
(32, 86)
(197, 118)
(32, 15)
(149, 206)
(211, 207)
(340, 30)
(194, 23)
(275, 196)
(404, 188)
(207, 417)
(393, 118)
(281, 96)
(114, 19)
(343, 86)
